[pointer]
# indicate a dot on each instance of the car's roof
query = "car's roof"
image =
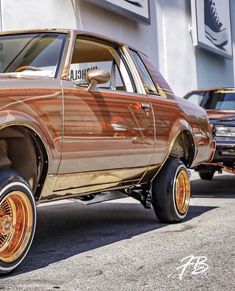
(74, 31)
(218, 89)
(61, 30)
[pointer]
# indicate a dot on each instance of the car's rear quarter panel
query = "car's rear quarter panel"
(174, 115)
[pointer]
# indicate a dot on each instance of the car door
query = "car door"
(108, 134)
(165, 108)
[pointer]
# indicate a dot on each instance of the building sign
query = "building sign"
(135, 9)
(211, 25)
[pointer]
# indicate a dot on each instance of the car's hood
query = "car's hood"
(24, 83)
(17, 94)
(222, 117)
(26, 75)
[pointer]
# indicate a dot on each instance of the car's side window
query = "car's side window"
(147, 81)
(89, 55)
(162, 86)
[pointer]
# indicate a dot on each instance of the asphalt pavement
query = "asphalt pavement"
(119, 245)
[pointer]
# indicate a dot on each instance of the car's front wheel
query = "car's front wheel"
(17, 220)
(171, 192)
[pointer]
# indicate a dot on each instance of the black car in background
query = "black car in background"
(220, 106)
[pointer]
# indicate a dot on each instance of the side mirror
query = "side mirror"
(95, 77)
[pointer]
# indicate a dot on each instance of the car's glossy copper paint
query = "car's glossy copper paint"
(171, 119)
(38, 106)
(101, 140)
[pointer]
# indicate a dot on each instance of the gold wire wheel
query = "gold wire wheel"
(16, 224)
(182, 191)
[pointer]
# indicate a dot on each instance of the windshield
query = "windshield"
(214, 100)
(35, 54)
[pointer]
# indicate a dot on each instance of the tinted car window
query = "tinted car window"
(159, 81)
(219, 101)
(144, 74)
(196, 98)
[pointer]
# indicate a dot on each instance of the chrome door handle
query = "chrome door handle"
(145, 106)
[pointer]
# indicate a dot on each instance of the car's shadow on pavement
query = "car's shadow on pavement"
(65, 230)
(221, 186)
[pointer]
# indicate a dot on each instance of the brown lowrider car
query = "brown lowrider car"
(82, 115)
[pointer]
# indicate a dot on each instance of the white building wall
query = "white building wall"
(232, 4)
(167, 40)
(176, 52)
(26, 14)
(213, 70)
(187, 67)
(82, 15)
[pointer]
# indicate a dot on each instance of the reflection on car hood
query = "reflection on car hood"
(26, 75)
(222, 117)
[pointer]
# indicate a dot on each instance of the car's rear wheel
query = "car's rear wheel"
(17, 220)
(206, 174)
(171, 192)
